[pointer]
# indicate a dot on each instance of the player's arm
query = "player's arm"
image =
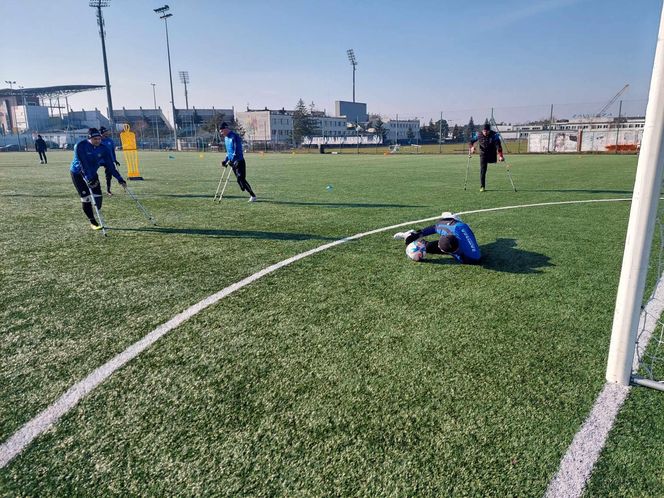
(418, 234)
(236, 147)
(115, 159)
(471, 144)
(82, 161)
(499, 147)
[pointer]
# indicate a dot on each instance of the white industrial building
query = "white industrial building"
(397, 130)
(276, 126)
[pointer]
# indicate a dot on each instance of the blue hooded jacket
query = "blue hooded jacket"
(469, 249)
(233, 147)
(88, 159)
(110, 145)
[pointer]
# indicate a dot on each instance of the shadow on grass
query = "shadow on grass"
(50, 196)
(225, 234)
(187, 196)
(268, 200)
(339, 204)
(502, 255)
(578, 191)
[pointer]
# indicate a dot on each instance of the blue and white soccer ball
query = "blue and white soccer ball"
(416, 250)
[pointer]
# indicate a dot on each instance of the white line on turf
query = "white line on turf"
(40, 423)
(579, 460)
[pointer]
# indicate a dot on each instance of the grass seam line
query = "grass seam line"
(16, 443)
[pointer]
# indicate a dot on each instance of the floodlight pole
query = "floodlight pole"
(156, 124)
(184, 79)
(642, 217)
(162, 12)
(440, 134)
(98, 4)
(353, 61)
(11, 87)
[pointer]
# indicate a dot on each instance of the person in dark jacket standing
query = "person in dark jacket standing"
(107, 141)
(40, 147)
(235, 157)
(490, 150)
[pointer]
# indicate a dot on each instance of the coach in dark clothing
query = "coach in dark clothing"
(490, 150)
(40, 146)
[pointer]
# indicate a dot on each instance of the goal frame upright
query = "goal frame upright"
(642, 217)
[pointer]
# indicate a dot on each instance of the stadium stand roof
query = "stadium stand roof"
(48, 91)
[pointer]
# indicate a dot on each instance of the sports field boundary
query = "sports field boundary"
(16, 443)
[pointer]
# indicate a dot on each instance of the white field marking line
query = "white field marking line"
(49, 416)
(578, 463)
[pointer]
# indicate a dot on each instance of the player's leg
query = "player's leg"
(240, 173)
(86, 198)
(483, 167)
(109, 177)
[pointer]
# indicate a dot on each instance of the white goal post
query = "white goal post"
(642, 218)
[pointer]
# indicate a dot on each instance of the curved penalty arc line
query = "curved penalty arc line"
(50, 415)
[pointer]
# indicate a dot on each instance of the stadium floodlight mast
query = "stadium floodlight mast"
(156, 124)
(353, 62)
(99, 4)
(11, 87)
(184, 79)
(162, 12)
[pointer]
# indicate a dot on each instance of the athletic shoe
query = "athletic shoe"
(252, 198)
(482, 189)
(403, 235)
(109, 193)
(94, 226)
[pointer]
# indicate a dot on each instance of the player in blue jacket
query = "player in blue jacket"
(89, 155)
(110, 145)
(456, 239)
(235, 157)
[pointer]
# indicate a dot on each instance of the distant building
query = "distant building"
(85, 119)
(17, 113)
(397, 130)
(514, 131)
(190, 120)
(31, 117)
(276, 126)
(146, 123)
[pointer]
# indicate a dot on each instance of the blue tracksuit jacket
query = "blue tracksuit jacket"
(469, 250)
(110, 145)
(233, 147)
(88, 159)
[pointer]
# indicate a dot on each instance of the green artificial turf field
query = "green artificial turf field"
(353, 371)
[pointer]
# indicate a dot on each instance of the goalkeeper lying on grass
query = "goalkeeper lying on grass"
(456, 239)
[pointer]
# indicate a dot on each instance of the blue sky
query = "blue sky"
(416, 59)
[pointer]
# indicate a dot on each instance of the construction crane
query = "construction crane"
(603, 112)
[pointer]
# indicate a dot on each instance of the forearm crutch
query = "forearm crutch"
(465, 182)
(147, 215)
(94, 205)
(509, 175)
(228, 176)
